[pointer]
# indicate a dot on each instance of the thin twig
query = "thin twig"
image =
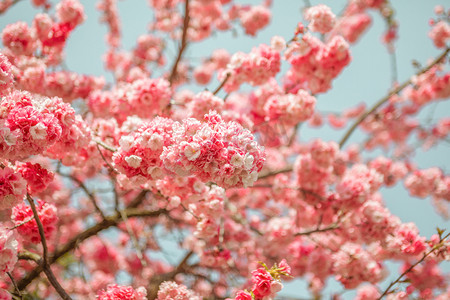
(14, 284)
(106, 162)
(387, 97)
(224, 81)
(435, 247)
(133, 238)
(183, 45)
(23, 223)
(90, 194)
(107, 147)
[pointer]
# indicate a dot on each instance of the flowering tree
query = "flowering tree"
(101, 180)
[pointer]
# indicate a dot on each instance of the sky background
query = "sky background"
(366, 79)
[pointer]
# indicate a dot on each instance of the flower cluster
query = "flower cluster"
(143, 98)
(440, 34)
(171, 290)
(290, 108)
(353, 265)
(357, 184)
(217, 151)
(8, 250)
(422, 183)
(255, 68)
(139, 152)
(23, 218)
(31, 124)
(254, 19)
(321, 18)
(37, 177)
(202, 103)
(114, 291)
(12, 188)
(266, 282)
(316, 64)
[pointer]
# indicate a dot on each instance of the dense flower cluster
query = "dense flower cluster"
(175, 174)
(216, 151)
(114, 291)
(314, 63)
(266, 282)
(143, 97)
(32, 124)
(139, 152)
(6, 77)
(171, 290)
(12, 188)
(37, 177)
(321, 18)
(22, 216)
(255, 68)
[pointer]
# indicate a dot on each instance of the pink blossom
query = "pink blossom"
(37, 177)
(170, 290)
(256, 18)
(8, 250)
(47, 213)
(71, 12)
(12, 188)
(6, 77)
(114, 291)
(19, 38)
(321, 18)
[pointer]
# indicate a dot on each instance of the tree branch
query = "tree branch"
(156, 281)
(435, 247)
(108, 222)
(183, 45)
(387, 97)
(44, 261)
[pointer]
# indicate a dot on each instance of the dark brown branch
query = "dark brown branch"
(138, 199)
(387, 97)
(183, 45)
(108, 222)
(276, 172)
(309, 232)
(44, 261)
